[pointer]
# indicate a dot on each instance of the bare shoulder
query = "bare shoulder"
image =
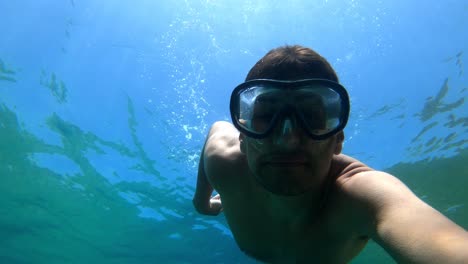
(374, 195)
(222, 156)
(372, 186)
(346, 167)
(367, 192)
(222, 142)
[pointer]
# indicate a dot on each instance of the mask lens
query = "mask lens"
(321, 106)
(258, 107)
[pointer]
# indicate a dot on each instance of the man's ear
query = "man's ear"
(339, 138)
(242, 143)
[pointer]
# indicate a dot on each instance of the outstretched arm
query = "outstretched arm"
(410, 230)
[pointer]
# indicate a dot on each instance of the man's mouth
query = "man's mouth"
(286, 164)
(286, 161)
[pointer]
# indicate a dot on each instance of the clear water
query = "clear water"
(104, 107)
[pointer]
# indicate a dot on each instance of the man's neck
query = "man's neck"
(295, 210)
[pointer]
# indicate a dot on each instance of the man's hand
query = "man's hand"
(213, 207)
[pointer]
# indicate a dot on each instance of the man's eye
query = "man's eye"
(263, 116)
(316, 113)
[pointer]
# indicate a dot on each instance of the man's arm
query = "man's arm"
(220, 146)
(407, 228)
(202, 200)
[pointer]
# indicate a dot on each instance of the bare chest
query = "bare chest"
(266, 235)
(288, 240)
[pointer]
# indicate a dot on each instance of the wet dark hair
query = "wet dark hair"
(292, 63)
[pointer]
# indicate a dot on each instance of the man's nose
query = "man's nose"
(287, 133)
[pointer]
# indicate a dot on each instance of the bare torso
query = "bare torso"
(275, 229)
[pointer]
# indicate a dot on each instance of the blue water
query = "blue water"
(105, 105)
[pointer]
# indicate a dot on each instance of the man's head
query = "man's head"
(290, 129)
(292, 63)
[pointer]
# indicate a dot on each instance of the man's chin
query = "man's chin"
(285, 190)
(284, 187)
(296, 170)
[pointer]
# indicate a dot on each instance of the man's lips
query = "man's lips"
(286, 161)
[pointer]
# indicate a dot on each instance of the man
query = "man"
(289, 195)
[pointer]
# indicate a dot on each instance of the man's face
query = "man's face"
(288, 162)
